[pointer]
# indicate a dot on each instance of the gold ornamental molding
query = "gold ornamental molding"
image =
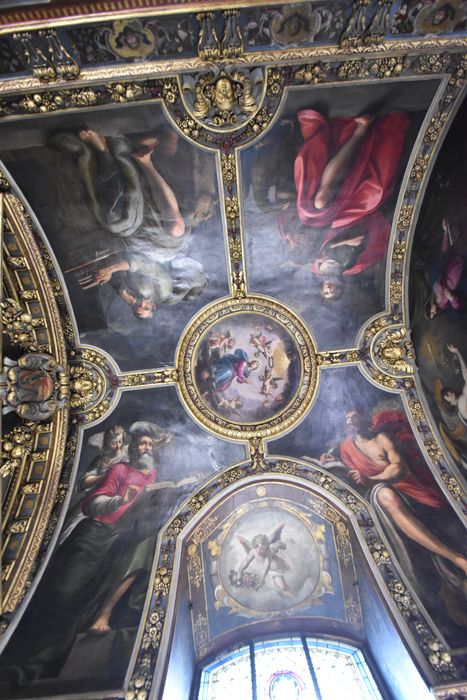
(33, 449)
(200, 381)
(196, 519)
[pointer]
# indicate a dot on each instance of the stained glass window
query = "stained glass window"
(296, 668)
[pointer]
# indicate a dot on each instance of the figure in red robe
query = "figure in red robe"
(390, 460)
(343, 173)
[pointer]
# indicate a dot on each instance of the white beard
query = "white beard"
(145, 461)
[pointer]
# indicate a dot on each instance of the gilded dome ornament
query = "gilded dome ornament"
(248, 368)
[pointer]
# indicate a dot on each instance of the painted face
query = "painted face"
(117, 442)
(439, 17)
(433, 310)
(254, 364)
(353, 420)
(144, 309)
(145, 445)
(329, 289)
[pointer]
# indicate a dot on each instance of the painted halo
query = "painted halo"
(247, 368)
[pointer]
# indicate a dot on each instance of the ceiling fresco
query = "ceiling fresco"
(234, 340)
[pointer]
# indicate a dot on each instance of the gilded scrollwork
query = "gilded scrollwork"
(46, 56)
(357, 24)
(186, 363)
(327, 358)
(195, 566)
(223, 97)
(34, 385)
(231, 99)
(209, 46)
(256, 449)
(393, 352)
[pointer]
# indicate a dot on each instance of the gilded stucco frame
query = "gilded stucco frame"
(297, 67)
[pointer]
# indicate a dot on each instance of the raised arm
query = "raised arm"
(396, 468)
(245, 563)
(163, 196)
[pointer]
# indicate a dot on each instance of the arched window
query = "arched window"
(296, 668)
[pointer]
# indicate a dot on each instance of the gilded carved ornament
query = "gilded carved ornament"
(19, 325)
(210, 47)
(46, 56)
(34, 386)
(223, 98)
(393, 352)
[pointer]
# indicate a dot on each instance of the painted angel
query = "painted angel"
(261, 345)
(264, 551)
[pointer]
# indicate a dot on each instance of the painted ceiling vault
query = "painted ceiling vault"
(234, 365)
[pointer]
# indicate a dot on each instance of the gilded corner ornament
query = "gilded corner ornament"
(392, 351)
(34, 385)
(224, 98)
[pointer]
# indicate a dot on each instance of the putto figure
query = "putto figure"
(267, 552)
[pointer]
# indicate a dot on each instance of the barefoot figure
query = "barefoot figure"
(344, 171)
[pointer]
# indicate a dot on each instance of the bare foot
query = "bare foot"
(101, 625)
(95, 139)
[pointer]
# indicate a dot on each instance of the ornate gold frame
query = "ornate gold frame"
(382, 352)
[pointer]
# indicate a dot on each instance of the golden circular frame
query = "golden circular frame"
(306, 351)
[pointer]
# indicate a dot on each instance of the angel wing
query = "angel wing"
(246, 544)
(97, 440)
(276, 534)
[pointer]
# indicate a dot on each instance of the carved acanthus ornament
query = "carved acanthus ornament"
(223, 98)
(393, 352)
(46, 56)
(34, 386)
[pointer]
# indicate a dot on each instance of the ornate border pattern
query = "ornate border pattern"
(383, 351)
(182, 527)
(305, 346)
(32, 454)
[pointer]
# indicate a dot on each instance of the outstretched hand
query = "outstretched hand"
(453, 349)
(103, 275)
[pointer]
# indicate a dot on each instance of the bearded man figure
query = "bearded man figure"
(375, 458)
(79, 586)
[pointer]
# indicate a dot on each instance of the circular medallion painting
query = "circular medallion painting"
(270, 561)
(249, 369)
